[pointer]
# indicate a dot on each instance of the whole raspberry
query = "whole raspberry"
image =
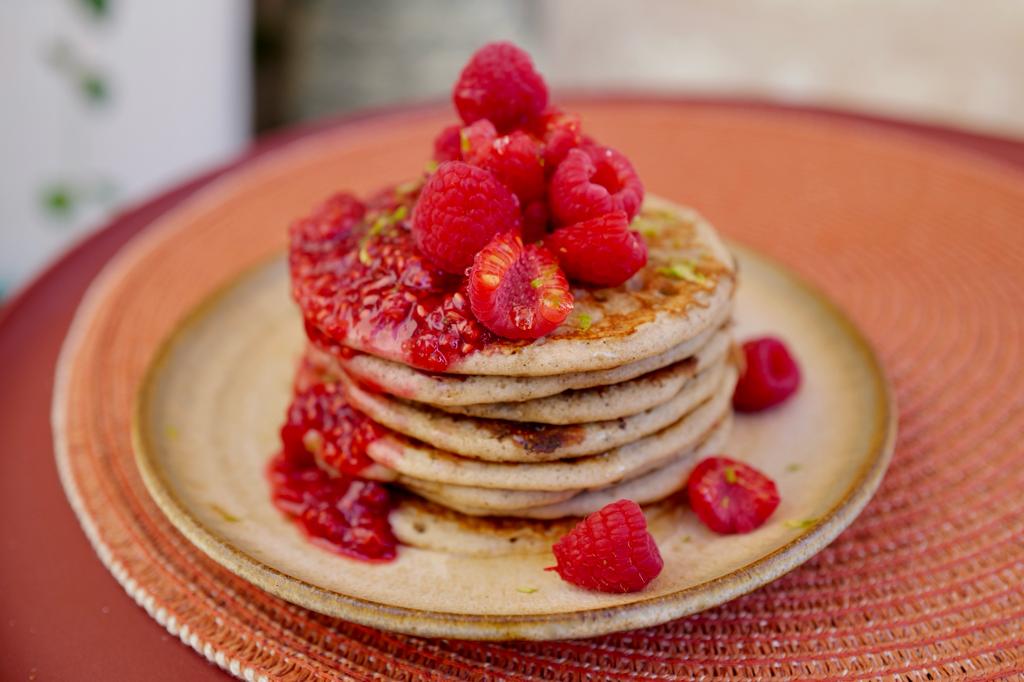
(609, 551)
(602, 251)
(320, 424)
(535, 221)
(499, 83)
(446, 144)
(475, 140)
(769, 377)
(518, 291)
(730, 496)
(559, 133)
(327, 227)
(458, 211)
(515, 159)
(591, 182)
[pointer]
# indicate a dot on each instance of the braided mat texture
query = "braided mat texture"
(923, 245)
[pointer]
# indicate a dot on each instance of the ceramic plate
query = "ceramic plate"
(210, 407)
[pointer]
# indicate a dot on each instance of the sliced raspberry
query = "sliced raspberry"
(609, 551)
(730, 496)
(535, 221)
(499, 83)
(328, 227)
(515, 159)
(518, 291)
(771, 375)
(446, 144)
(321, 425)
(591, 182)
(475, 141)
(458, 211)
(601, 251)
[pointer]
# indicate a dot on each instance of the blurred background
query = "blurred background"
(106, 102)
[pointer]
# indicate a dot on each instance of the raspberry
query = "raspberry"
(535, 221)
(499, 83)
(327, 227)
(770, 376)
(609, 551)
(730, 496)
(446, 144)
(515, 159)
(560, 132)
(475, 141)
(591, 182)
(458, 211)
(322, 426)
(518, 291)
(601, 251)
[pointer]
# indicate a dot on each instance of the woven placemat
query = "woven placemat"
(923, 245)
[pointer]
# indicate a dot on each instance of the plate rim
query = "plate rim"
(562, 625)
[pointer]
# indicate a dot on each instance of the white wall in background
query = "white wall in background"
(176, 77)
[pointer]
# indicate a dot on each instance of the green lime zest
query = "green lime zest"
(647, 227)
(377, 228)
(799, 523)
(685, 270)
(224, 513)
(408, 187)
(526, 590)
(584, 322)
(399, 214)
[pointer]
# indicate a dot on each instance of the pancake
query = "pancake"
(648, 315)
(621, 463)
(484, 500)
(423, 524)
(496, 440)
(602, 403)
(681, 291)
(420, 523)
(427, 525)
(649, 487)
(454, 390)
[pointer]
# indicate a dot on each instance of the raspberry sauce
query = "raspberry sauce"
(315, 479)
(320, 422)
(344, 514)
(365, 284)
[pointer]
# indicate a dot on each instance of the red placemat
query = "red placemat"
(927, 580)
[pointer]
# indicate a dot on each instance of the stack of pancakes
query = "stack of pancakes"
(617, 403)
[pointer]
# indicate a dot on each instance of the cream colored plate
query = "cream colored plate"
(207, 422)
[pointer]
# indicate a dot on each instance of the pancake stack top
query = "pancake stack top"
(617, 402)
(411, 377)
